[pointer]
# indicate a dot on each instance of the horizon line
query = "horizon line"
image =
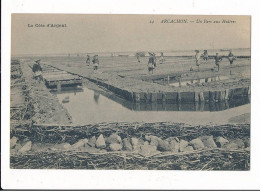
(110, 52)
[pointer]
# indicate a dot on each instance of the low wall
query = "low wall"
(174, 97)
(197, 95)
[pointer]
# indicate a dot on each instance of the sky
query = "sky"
(125, 33)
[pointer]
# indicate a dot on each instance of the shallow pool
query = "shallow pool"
(87, 106)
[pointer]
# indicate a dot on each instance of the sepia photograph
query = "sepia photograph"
(130, 92)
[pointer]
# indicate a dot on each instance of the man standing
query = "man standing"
(197, 58)
(151, 63)
(95, 63)
(37, 70)
(138, 57)
(231, 57)
(154, 59)
(162, 58)
(88, 60)
(217, 60)
(205, 55)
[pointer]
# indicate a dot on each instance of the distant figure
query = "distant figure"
(88, 60)
(231, 57)
(197, 58)
(162, 60)
(37, 70)
(217, 60)
(205, 55)
(96, 97)
(138, 57)
(154, 59)
(95, 62)
(151, 63)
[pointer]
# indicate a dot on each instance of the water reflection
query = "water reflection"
(88, 106)
(94, 97)
(202, 106)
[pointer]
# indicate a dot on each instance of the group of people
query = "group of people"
(197, 57)
(217, 58)
(153, 59)
(95, 62)
(152, 62)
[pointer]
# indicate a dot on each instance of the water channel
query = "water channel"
(88, 106)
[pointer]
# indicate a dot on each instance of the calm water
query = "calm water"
(87, 106)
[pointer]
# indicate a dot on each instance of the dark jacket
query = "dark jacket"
(230, 55)
(217, 60)
(36, 67)
(152, 60)
(95, 60)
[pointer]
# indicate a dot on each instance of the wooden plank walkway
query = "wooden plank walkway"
(58, 78)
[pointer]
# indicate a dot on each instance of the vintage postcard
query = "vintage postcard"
(130, 92)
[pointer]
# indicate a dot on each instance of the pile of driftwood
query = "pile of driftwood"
(207, 159)
(15, 69)
(22, 106)
(215, 159)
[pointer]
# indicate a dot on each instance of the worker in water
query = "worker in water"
(162, 60)
(95, 62)
(37, 70)
(151, 63)
(217, 60)
(205, 55)
(197, 59)
(88, 60)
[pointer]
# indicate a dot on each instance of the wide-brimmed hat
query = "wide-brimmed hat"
(37, 60)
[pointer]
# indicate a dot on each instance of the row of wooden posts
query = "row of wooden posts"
(174, 97)
(167, 79)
